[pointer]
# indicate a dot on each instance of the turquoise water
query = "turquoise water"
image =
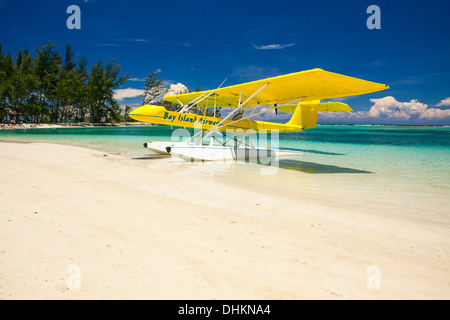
(108, 139)
(408, 165)
(425, 150)
(415, 153)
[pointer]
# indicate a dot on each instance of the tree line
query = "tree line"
(49, 87)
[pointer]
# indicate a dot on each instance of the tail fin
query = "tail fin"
(304, 116)
(305, 113)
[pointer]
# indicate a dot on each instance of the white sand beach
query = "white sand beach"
(137, 229)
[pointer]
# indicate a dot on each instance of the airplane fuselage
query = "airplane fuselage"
(160, 115)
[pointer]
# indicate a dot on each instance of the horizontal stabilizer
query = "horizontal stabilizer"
(305, 113)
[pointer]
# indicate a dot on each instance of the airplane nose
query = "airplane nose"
(147, 112)
(136, 111)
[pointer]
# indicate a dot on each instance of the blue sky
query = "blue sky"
(200, 43)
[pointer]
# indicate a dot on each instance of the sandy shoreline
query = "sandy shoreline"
(140, 230)
(70, 125)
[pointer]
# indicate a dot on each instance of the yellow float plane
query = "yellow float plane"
(298, 93)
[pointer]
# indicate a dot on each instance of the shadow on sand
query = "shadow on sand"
(151, 157)
(289, 164)
(316, 168)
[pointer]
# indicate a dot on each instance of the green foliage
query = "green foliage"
(152, 89)
(48, 67)
(25, 83)
(6, 83)
(101, 84)
(171, 106)
(127, 117)
(69, 62)
(48, 88)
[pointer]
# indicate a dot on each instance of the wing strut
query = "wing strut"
(241, 105)
(187, 107)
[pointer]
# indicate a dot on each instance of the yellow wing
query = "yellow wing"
(309, 85)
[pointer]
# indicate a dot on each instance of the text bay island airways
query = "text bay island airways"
(228, 138)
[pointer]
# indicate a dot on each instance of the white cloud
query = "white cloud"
(108, 45)
(444, 103)
(273, 46)
(120, 94)
(389, 110)
(136, 79)
(143, 79)
(178, 88)
(433, 113)
(269, 113)
(388, 107)
(132, 105)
